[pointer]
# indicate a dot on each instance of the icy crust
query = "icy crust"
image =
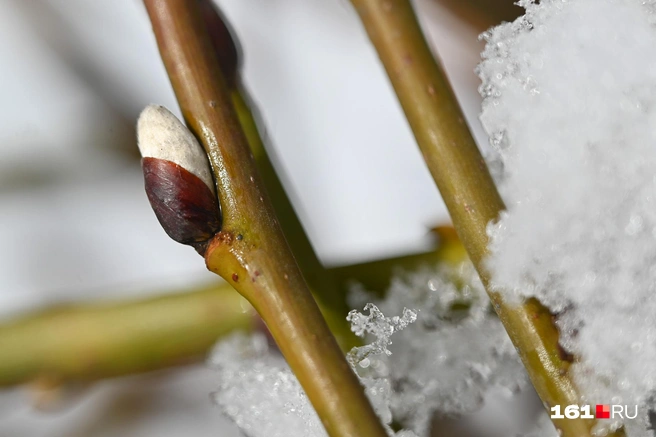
(444, 362)
(570, 106)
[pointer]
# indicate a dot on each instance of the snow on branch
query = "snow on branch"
(570, 107)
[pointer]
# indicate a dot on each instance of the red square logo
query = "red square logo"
(603, 412)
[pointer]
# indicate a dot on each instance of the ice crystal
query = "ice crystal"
(570, 107)
(379, 326)
(445, 361)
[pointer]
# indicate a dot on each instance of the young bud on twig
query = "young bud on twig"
(178, 178)
(225, 46)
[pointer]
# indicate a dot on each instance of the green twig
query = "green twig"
(466, 187)
(85, 342)
(376, 276)
(250, 251)
(321, 282)
(88, 342)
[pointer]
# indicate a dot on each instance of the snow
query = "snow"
(439, 355)
(259, 392)
(450, 356)
(570, 107)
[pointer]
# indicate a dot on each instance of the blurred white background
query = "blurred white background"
(75, 223)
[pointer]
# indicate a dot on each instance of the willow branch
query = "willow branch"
(89, 342)
(85, 342)
(376, 276)
(250, 251)
(467, 188)
(321, 282)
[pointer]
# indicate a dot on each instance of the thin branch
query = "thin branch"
(376, 276)
(250, 251)
(466, 187)
(86, 342)
(322, 284)
(89, 342)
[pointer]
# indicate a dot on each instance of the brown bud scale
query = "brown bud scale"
(184, 205)
(225, 48)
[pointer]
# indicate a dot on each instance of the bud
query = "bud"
(178, 178)
(225, 46)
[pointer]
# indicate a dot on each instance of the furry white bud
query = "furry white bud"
(178, 179)
(161, 135)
